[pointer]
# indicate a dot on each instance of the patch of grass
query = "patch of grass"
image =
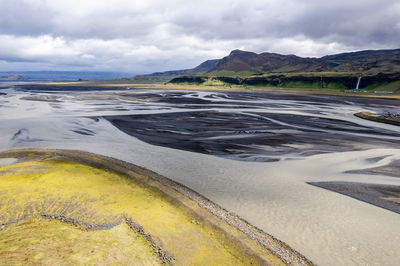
(385, 87)
(213, 82)
(300, 86)
(51, 242)
(94, 198)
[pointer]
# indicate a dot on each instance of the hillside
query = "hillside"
(243, 64)
(73, 208)
(379, 71)
(168, 75)
(363, 62)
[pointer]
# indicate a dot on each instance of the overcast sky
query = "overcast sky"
(141, 36)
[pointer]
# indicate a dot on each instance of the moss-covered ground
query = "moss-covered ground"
(51, 242)
(378, 118)
(98, 216)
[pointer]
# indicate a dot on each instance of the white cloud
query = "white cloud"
(155, 35)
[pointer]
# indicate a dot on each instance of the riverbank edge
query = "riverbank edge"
(376, 118)
(191, 87)
(275, 246)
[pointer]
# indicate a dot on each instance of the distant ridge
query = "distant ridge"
(243, 63)
(58, 75)
(11, 77)
(167, 75)
(385, 61)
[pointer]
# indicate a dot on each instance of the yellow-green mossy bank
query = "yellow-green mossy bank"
(60, 207)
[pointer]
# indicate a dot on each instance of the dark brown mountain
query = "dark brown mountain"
(239, 61)
(371, 62)
(246, 67)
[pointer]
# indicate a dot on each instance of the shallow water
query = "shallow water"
(328, 228)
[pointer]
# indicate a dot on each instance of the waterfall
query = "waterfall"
(358, 83)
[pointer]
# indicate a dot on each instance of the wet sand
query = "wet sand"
(181, 210)
(250, 135)
(329, 228)
(391, 169)
(242, 126)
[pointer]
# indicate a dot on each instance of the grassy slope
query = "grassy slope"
(212, 80)
(377, 87)
(386, 86)
(382, 67)
(51, 242)
(94, 198)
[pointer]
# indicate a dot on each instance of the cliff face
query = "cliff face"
(271, 69)
(332, 81)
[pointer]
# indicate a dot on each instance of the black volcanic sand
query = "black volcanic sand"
(246, 136)
(232, 124)
(59, 88)
(392, 169)
(384, 196)
(250, 135)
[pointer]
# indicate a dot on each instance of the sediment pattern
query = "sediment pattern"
(96, 193)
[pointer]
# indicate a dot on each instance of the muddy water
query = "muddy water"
(327, 227)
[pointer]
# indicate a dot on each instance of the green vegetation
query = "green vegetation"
(392, 119)
(149, 79)
(380, 71)
(385, 87)
(97, 210)
(311, 81)
(366, 62)
(50, 242)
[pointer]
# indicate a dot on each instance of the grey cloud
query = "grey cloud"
(18, 17)
(349, 22)
(354, 23)
(157, 35)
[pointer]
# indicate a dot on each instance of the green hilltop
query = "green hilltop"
(379, 71)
